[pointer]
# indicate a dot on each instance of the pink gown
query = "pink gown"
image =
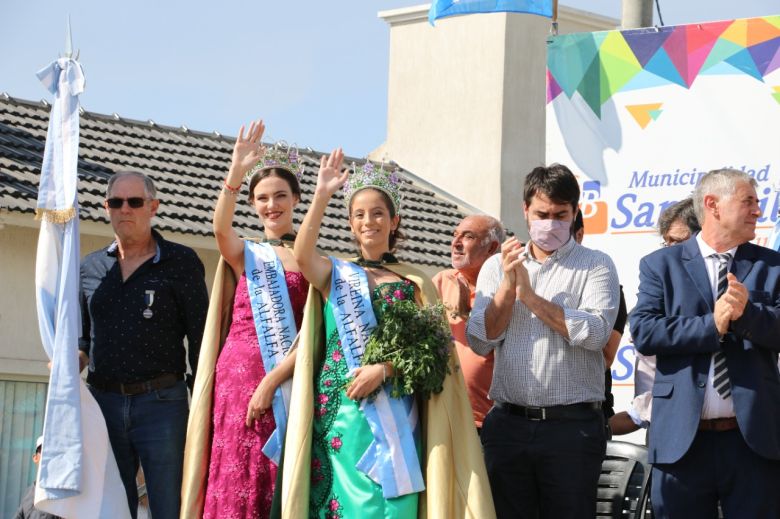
(241, 478)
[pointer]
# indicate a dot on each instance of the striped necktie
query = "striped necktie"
(721, 373)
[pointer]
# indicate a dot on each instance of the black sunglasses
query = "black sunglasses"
(134, 201)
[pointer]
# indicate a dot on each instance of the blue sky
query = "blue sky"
(315, 71)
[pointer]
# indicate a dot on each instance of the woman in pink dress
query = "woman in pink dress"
(240, 476)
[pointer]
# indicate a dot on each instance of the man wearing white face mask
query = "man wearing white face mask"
(546, 310)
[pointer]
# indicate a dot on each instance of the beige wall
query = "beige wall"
(466, 101)
(575, 20)
(433, 107)
(20, 346)
(21, 352)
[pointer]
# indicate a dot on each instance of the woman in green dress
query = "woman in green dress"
(341, 433)
(351, 450)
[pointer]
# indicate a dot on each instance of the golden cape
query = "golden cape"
(455, 477)
(198, 445)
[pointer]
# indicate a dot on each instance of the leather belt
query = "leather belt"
(164, 381)
(719, 424)
(579, 411)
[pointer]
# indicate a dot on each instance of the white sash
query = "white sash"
(275, 326)
(391, 460)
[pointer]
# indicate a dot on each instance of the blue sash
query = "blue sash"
(391, 459)
(275, 326)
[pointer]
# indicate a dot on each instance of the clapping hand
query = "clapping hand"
(522, 279)
(248, 150)
(730, 306)
(737, 296)
(511, 263)
(330, 178)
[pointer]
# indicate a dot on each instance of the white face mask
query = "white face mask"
(549, 235)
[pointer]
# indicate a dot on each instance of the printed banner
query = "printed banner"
(640, 115)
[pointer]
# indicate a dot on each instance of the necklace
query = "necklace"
(277, 242)
(386, 258)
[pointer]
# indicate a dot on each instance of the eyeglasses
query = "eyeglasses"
(134, 201)
(672, 241)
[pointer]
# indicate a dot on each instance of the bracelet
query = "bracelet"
(234, 190)
(225, 189)
(384, 373)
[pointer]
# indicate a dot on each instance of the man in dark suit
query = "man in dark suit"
(710, 312)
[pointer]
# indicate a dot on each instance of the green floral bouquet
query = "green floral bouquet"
(417, 341)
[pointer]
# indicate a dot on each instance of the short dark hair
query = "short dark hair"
(282, 173)
(577, 224)
(556, 181)
(683, 211)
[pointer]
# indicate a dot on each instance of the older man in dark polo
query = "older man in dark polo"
(141, 296)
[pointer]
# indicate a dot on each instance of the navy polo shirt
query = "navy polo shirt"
(133, 330)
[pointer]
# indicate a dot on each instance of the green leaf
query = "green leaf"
(417, 341)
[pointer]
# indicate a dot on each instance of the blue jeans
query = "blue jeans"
(149, 428)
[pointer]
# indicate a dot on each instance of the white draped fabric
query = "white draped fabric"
(77, 476)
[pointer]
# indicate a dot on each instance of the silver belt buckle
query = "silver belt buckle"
(536, 418)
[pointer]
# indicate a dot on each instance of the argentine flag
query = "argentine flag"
(77, 475)
(444, 8)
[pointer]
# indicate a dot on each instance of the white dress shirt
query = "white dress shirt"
(714, 406)
(534, 364)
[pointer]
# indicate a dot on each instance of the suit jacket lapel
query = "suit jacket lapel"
(743, 261)
(694, 264)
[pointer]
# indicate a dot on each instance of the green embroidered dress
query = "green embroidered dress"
(342, 434)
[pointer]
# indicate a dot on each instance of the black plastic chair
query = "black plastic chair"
(624, 484)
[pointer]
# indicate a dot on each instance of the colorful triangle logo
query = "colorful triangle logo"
(722, 50)
(661, 65)
(743, 61)
(764, 54)
(645, 113)
(553, 88)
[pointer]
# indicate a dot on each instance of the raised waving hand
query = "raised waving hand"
(247, 151)
(330, 178)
